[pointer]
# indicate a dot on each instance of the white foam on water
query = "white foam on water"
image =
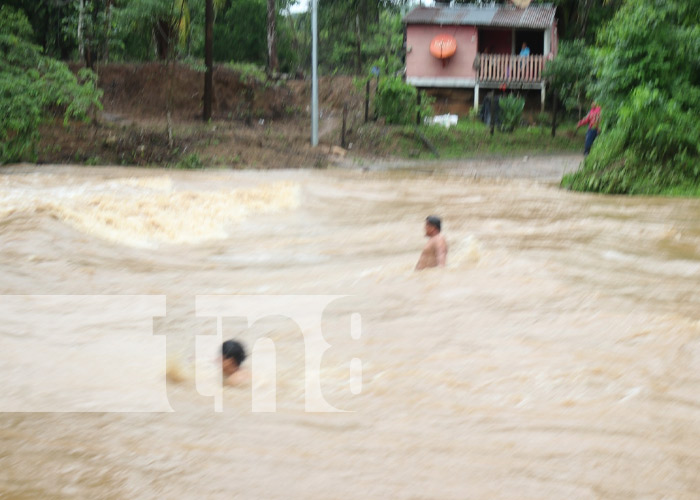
(149, 211)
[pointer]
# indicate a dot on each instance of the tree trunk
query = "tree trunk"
(296, 44)
(169, 102)
(272, 62)
(81, 41)
(108, 27)
(554, 112)
(89, 60)
(585, 9)
(208, 59)
(163, 34)
(358, 62)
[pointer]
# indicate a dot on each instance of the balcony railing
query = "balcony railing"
(510, 68)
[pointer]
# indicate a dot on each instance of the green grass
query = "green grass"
(249, 72)
(191, 161)
(684, 191)
(470, 139)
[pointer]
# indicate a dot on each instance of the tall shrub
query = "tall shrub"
(32, 86)
(571, 74)
(397, 101)
(511, 108)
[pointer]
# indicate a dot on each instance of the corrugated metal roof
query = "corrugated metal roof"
(509, 18)
(538, 18)
(534, 17)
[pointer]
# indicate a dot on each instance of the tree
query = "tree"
(295, 46)
(346, 28)
(167, 20)
(581, 19)
(32, 86)
(384, 47)
(571, 74)
(208, 60)
(90, 24)
(272, 62)
(46, 18)
(241, 35)
(649, 88)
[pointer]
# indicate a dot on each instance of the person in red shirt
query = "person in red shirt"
(592, 119)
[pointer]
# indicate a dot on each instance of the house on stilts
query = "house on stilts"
(478, 47)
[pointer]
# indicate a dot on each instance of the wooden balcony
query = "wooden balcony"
(511, 69)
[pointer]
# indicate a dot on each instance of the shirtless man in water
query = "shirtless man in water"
(435, 251)
(232, 356)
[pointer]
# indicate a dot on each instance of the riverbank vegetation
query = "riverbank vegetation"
(647, 80)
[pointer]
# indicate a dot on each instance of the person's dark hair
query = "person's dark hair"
(235, 350)
(434, 221)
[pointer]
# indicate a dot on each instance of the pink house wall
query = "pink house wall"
(421, 63)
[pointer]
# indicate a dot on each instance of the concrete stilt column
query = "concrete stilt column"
(543, 93)
(476, 97)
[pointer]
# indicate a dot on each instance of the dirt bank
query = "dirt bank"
(254, 123)
(152, 117)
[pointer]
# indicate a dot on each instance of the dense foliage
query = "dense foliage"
(355, 34)
(571, 74)
(240, 35)
(31, 85)
(649, 88)
(397, 102)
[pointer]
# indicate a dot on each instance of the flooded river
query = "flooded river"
(556, 356)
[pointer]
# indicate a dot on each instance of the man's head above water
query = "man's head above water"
(433, 225)
(232, 356)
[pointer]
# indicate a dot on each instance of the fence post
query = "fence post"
(554, 112)
(345, 119)
(418, 117)
(367, 102)
(376, 91)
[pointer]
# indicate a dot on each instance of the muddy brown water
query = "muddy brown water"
(557, 355)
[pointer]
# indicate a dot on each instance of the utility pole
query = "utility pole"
(314, 74)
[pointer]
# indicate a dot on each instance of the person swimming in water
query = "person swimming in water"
(435, 252)
(232, 356)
